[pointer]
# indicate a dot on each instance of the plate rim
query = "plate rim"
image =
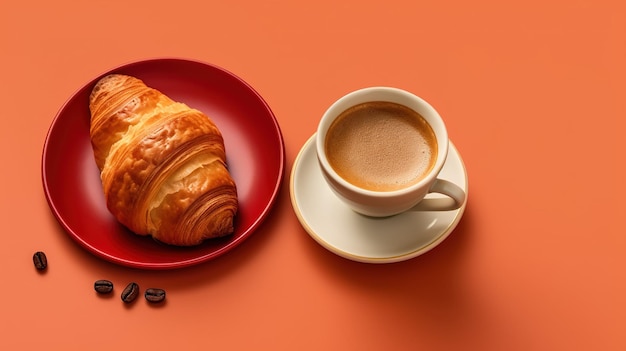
(174, 264)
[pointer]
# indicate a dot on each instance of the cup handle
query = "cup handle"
(455, 199)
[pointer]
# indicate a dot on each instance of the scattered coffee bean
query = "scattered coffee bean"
(155, 295)
(130, 293)
(40, 260)
(103, 286)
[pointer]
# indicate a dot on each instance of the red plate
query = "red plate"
(254, 150)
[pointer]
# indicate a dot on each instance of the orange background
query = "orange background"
(533, 96)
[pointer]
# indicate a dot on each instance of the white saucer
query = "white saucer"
(359, 238)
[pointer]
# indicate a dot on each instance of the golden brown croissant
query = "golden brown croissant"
(163, 164)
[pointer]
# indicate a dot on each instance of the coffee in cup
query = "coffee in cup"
(381, 146)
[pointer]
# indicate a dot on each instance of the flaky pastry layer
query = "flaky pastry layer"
(162, 163)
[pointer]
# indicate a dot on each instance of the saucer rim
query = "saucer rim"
(366, 259)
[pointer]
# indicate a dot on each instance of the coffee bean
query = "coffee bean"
(103, 286)
(155, 295)
(40, 260)
(130, 293)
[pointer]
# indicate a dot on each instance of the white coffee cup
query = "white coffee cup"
(412, 197)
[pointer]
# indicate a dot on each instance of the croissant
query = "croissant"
(162, 164)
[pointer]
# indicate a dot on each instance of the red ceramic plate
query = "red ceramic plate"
(254, 150)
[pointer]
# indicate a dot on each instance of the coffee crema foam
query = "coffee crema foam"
(381, 146)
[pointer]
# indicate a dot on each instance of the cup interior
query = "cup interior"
(388, 94)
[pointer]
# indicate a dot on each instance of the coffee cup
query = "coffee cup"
(381, 150)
